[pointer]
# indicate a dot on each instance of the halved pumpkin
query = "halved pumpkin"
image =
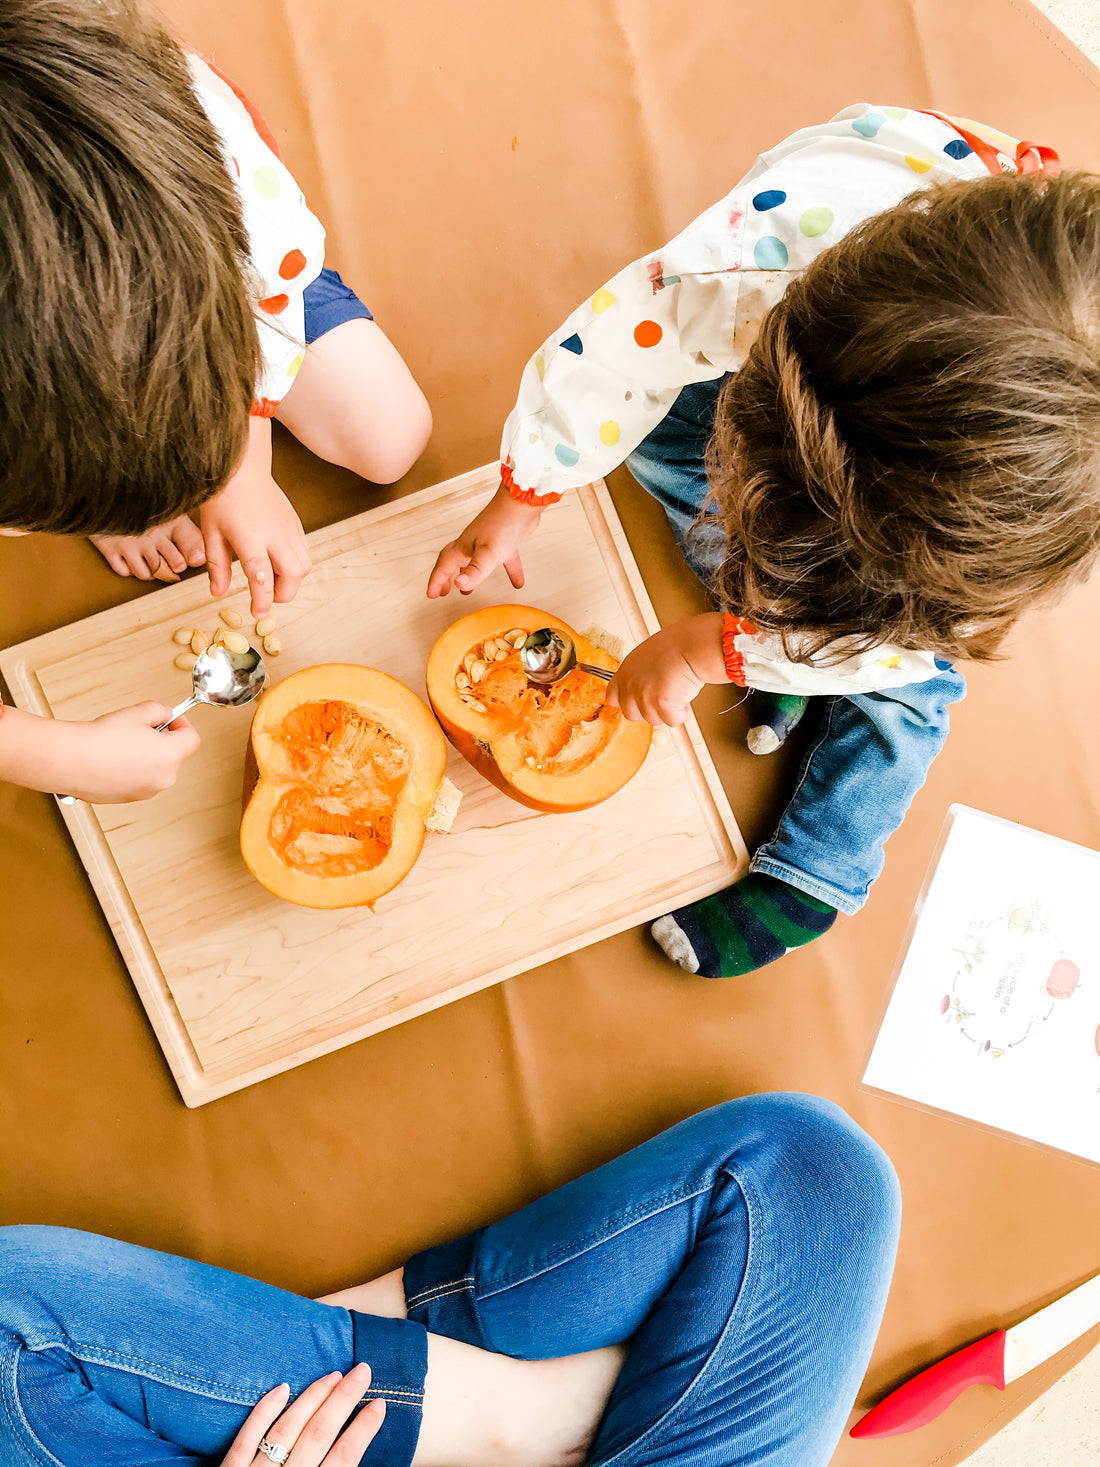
(347, 765)
(554, 748)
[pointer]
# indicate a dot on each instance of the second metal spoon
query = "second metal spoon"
(548, 655)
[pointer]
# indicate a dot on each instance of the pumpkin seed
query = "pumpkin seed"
(232, 618)
(478, 671)
(502, 653)
(236, 641)
(182, 636)
(477, 707)
(272, 646)
(516, 638)
(185, 661)
(461, 680)
(266, 624)
(469, 660)
(199, 642)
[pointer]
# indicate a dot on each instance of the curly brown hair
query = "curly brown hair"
(128, 348)
(911, 452)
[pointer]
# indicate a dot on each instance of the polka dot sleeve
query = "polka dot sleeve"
(757, 660)
(691, 311)
(286, 241)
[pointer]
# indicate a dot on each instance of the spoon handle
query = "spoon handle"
(601, 672)
(180, 708)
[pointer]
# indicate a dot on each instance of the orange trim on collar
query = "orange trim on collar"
(258, 123)
(1030, 157)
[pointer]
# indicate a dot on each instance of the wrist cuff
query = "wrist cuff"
(733, 626)
(524, 496)
(263, 407)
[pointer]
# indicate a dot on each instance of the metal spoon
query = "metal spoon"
(218, 676)
(548, 655)
(226, 678)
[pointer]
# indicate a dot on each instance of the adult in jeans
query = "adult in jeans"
(711, 1297)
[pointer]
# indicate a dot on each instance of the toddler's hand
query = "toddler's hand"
(656, 682)
(492, 538)
(254, 519)
(162, 553)
(120, 756)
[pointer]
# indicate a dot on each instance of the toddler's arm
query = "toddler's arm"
(108, 760)
(602, 382)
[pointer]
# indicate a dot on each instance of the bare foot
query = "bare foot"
(162, 553)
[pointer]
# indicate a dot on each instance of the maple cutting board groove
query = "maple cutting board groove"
(240, 986)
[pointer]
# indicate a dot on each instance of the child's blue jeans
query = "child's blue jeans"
(869, 753)
(745, 1254)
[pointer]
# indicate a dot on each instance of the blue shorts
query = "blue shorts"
(329, 303)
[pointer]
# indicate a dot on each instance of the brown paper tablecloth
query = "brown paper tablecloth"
(481, 168)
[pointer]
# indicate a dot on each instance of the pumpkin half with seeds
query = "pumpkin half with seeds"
(345, 763)
(554, 748)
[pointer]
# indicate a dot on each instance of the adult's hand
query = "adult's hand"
(309, 1430)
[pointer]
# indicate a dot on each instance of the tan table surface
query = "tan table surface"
(480, 169)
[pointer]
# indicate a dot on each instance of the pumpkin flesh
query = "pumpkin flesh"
(348, 762)
(557, 747)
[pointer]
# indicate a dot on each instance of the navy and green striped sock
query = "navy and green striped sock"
(742, 928)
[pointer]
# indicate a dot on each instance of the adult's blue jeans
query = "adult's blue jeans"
(868, 753)
(744, 1255)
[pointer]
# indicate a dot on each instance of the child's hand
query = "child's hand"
(252, 518)
(120, 756)
(108, 760)
(162, 553)
(658, 680)
(492, 538)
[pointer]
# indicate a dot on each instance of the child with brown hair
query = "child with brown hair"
(162, 297)
(865, 387)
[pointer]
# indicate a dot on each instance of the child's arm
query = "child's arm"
(604, 380)
(108, 760)
(658, 680)
(252, 518)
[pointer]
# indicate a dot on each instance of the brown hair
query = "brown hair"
(911, 452)
(128, 348)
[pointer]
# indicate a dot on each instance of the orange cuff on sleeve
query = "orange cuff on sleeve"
(263, 407)
(524, 496)
(733, 626)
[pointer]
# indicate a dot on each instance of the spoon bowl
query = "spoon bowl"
(548, 655)
(224, 678)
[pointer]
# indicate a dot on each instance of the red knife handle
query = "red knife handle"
(921, 1399)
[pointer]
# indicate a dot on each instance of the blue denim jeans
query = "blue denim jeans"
(868, 753)
(745, 1255)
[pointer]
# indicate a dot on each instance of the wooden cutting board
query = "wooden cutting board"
(239, 985)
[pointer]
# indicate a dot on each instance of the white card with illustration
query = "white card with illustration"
(995, 1012)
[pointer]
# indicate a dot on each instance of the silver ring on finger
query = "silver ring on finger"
(273, 1451)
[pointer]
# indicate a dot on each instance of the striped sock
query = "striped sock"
(742, 928)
